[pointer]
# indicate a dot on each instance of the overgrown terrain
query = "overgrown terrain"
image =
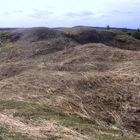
(69, 84)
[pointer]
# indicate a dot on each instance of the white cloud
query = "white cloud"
(118, 13)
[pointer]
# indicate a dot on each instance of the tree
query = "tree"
(108, 27)
(124, 29)
(136, 34)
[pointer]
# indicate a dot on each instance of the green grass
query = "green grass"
(51, 137)
(100, 136)
(6, 135)
(35, 112)
(8, 51)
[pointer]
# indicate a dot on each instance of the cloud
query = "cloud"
(40, 13)
(123, 12)
(136, 2)
(80, 14)
(5, 13)
(18, 11)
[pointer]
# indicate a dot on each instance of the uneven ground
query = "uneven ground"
(69, 84)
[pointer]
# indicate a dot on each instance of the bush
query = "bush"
(107, 27)
(136, 34)
(124, 30)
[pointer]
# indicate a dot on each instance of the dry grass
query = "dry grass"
(97, 86)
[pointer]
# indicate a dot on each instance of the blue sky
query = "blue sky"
(67, 13)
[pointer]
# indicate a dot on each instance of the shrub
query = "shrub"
(136, 34)
(124, 30)
(107, 27)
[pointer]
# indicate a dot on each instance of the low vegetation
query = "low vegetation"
(7, 135)
(78, 83)
(32, 112)
(136, 34)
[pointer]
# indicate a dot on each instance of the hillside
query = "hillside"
(69, 84)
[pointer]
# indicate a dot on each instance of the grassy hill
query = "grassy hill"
(69, 84)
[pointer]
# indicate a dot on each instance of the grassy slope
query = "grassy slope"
(36, 112)
(82, 92)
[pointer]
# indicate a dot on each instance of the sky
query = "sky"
(68, 13)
